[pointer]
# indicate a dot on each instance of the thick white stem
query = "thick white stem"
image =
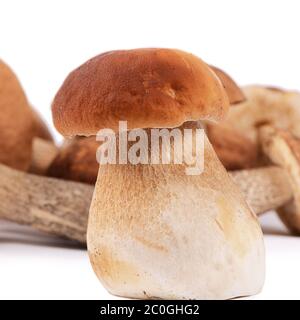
(156, 232)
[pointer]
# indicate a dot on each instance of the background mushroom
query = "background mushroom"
(153, 230)
(233, 147)
(284, 150)
(273, 187)
(266, 106)
(19, 124)
(234, 92)
(76, 161)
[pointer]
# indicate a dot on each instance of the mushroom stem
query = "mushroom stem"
(55, 206)
(43, 153)
(265, 188)
(150, 225)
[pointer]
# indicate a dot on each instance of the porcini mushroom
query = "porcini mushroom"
(284, 150)
(76, 161)
(235, 150)
(266, 106)
(278, 108)
(15, 122)
(234, 92)
(20, 125)
(273, 187)
(154, 231)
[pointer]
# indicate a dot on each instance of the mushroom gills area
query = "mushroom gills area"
(156, 232)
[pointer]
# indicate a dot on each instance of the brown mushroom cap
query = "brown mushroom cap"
(18, 122)
(234, 92)
(146, 87)
(283, 149)
(76, 161)
(15, 121)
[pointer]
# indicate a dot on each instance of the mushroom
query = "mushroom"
(76, 161)
(154, 231)
(235, 94)
(277, 188)
(265, 106)
(234, 149)
(19, 124)
(274, 107)
(284, 150)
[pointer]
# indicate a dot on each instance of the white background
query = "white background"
(254, 41)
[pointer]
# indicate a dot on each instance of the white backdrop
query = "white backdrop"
(254, 41)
